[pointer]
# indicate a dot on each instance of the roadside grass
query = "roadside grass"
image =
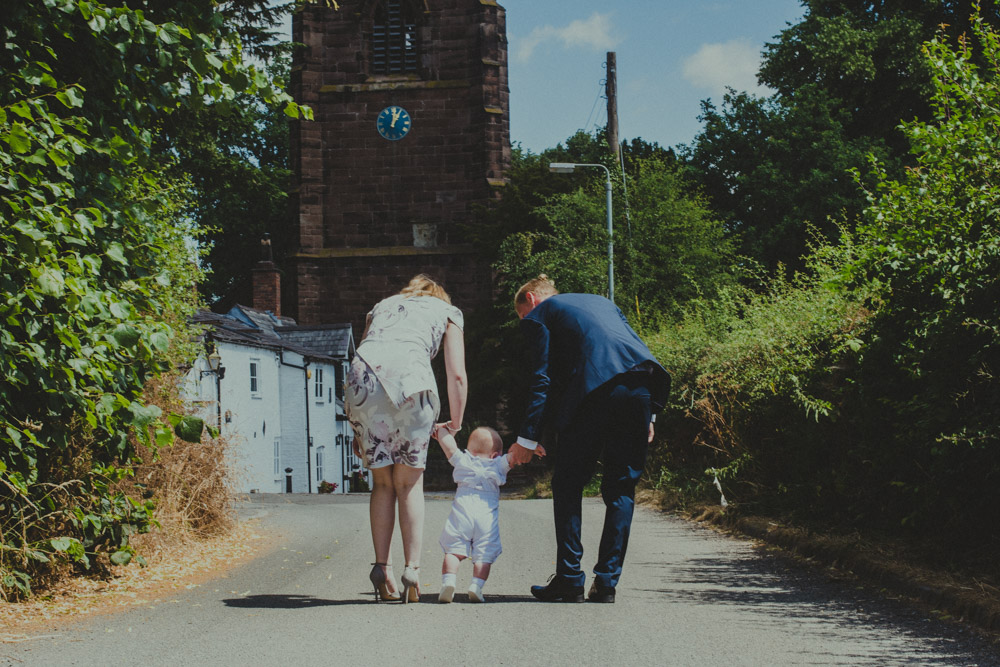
(175, 565)
(196, 529)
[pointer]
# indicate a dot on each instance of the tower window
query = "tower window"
(394, 38)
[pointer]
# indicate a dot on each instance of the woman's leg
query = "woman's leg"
(408, 484)
(382, 514)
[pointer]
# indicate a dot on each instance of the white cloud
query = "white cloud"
(595, 33)
(715, 66)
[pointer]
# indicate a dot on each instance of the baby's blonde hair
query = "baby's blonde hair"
(423, 285)
(540, 286)
(488, 438)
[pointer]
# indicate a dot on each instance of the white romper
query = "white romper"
(473, 527)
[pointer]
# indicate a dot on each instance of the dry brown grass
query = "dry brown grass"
(174, 566)
(197, 531)
(189, 481)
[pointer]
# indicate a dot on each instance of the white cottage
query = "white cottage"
(276, 391)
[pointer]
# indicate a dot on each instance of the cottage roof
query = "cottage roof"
(334, 340)
(264, 320)
(256, 328)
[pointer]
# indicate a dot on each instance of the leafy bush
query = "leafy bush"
(93, 260)
(755, 382)
(934, 240)
(866, 392)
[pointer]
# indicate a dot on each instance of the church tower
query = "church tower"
(411, 134)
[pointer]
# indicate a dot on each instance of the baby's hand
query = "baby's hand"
(441, 430)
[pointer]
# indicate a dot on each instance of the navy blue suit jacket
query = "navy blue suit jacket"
(576, 343)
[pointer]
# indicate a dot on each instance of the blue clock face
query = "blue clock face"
(393, 123)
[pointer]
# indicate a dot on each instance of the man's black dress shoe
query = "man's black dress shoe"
(558, 590)
(599, 593)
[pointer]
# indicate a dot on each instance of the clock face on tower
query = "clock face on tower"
(393, 123)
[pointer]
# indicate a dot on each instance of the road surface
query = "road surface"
(688, 597)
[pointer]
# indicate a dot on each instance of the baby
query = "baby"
(473, 527)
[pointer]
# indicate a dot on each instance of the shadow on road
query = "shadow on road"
(308, 601)
(286, 602)
(778, 589)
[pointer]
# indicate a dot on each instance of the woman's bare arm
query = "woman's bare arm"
(454, 364)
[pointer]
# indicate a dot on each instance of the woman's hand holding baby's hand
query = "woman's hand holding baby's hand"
(443, 429)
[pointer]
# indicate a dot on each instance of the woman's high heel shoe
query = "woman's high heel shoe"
(411, 584)
(379, 582)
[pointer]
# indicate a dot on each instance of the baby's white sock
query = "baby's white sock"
(479, 582)
(447, 580)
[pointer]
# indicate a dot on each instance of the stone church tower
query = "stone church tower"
(411, 133)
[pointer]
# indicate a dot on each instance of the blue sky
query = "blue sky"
(671, 55)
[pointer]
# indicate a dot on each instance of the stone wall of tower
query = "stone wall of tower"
(370, 213)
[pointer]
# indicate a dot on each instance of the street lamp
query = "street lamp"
(214, 365)
(569, 168)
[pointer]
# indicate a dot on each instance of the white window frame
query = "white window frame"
(277, 459)
(318, 385)
(340, 375)
(255, 383)
(319, 463)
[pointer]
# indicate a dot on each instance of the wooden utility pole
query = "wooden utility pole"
(611, 90)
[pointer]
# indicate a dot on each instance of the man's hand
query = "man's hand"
(520, 455)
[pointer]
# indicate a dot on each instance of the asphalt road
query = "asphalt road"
(688, 597)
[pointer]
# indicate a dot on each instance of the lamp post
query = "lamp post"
(569, 168)
(216, 368)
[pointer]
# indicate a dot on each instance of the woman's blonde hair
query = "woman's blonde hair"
(423, 285)
(540, 286)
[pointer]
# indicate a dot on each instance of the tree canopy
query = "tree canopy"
(844, 77)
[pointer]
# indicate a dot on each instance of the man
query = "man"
(598, 384)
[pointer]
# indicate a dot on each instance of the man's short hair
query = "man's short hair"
(540, 286)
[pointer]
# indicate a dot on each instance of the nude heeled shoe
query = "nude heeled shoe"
(379, 581)
(411, 584)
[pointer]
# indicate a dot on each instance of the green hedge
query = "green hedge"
(867, 393)
(94, 259)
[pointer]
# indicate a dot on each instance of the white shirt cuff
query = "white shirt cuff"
(527, 444)
(652, 418)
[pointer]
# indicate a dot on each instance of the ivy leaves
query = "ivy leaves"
(94, 256)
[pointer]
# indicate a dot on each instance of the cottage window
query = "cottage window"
(255, 377)
(338, 372)
(277, 459)
(394, 38)
(319, 464)
(318, 384)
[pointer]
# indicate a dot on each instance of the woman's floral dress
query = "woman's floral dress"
(392, 400)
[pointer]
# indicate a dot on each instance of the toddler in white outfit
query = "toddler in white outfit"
(473, 527)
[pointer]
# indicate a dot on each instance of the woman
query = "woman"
(392, 403)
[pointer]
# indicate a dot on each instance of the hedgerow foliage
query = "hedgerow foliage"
(934, 237)
(756, 374)
(868, 392)
(93, 258)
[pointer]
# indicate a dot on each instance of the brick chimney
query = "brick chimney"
(267, 281)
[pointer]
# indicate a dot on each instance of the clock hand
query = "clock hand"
(395, 116)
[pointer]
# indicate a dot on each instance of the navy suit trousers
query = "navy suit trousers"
(611, 426)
